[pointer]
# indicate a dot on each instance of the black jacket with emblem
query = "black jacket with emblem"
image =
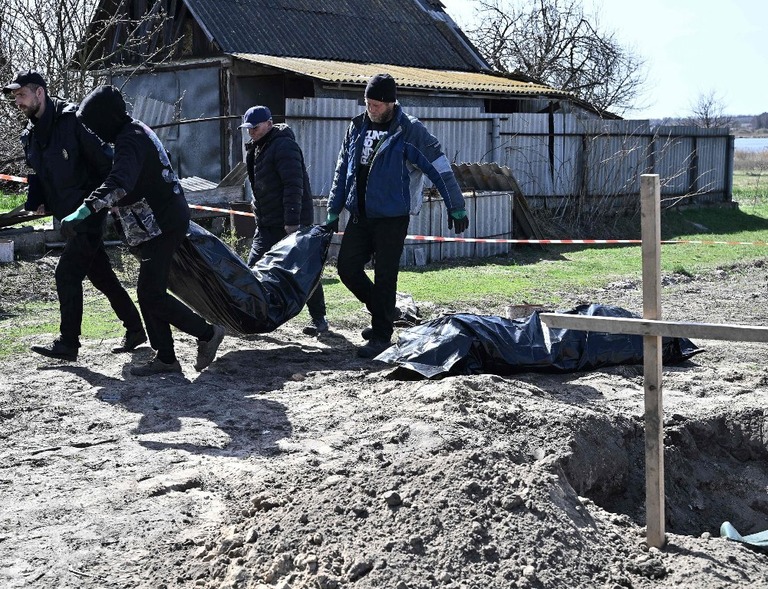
(281, 191)
(69, 162)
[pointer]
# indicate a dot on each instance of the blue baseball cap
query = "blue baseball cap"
(255, 115)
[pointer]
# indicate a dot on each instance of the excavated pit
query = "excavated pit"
(716, 470)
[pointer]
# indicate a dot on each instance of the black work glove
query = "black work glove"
(458, 221)
(68, 229)
(71, 221)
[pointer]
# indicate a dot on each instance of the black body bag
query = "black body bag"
(214, 281)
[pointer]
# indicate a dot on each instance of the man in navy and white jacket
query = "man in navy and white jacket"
(379, 179)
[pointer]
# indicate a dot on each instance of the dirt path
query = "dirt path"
(290, 463)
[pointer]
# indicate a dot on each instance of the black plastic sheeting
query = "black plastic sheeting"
(474, 344)
(214, 281)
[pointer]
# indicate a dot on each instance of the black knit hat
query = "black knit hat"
(381, 87)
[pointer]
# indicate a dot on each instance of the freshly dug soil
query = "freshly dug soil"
(291, 463)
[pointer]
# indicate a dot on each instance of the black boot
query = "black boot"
(58, 350)
(131, 341)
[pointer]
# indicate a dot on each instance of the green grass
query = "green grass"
(750, 185)
(546, 275)
(529, 273)
(542, 275)
(10, 200)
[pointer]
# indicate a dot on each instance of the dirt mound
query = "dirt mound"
(290, 463)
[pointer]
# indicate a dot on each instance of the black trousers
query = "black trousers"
(263, 240)
(159, 308)
(85, 255)
(381, 240)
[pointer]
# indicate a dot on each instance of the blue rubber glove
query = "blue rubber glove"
(332, 222)
(458, 221)
(71, 221)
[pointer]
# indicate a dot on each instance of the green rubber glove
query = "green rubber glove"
(458, 221)
(71, 221)
(332, 222)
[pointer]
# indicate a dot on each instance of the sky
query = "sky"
(691, 48)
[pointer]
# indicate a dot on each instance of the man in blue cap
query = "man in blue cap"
(282, 196)
(379, 179)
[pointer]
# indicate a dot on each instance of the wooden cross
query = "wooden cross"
(652, 328)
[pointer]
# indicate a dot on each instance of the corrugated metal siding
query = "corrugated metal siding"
(156, 112)
(673, 158)
(591, 159)
(525, 150)
(320, 125)
(493, 219)
(195, 150)
(463, 133)
(613, 165)
(712, 178)
(567, 155)
(598, 162)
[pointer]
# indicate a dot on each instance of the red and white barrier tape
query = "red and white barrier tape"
(13, 178)
(525, 241)
(542, 241)
(215, 210)
(577, 241)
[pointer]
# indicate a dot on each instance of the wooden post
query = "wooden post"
(652, 328)
(650, 195)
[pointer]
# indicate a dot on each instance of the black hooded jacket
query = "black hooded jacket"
(281, 191)
(68, 160)
(141, 170)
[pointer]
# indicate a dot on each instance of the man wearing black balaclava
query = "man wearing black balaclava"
(154, 216)
(69, 162)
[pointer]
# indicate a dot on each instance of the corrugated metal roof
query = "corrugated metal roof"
(342, 72)
(412, 32)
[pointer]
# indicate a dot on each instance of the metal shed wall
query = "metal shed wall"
(557, 160)
(195, 149)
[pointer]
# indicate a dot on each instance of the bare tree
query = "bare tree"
(555, 42)
(709, 111)
(76, 44)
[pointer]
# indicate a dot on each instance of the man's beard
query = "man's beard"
(32, 110)
(384, 117)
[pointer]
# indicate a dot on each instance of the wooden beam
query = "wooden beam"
(649, 327)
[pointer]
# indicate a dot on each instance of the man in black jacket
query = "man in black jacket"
(69, 162)
(282, 196)
(155, 217)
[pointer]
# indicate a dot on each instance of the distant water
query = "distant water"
(750, 143)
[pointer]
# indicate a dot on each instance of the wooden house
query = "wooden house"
(227, 55)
